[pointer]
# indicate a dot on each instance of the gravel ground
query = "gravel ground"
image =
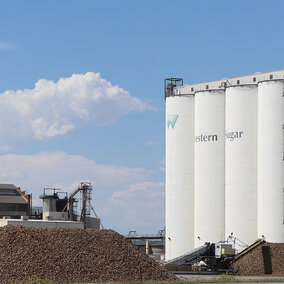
(73, 255)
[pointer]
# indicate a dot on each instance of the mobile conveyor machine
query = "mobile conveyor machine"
(211, 258)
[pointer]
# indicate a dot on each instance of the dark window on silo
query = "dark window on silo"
(271, 76)
(207, 87)
(238, 82)
(254, 79)
(192, 89)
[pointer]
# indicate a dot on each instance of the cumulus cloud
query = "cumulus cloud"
(125, 198)
(56, 108)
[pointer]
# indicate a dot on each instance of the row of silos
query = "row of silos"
(224, 165)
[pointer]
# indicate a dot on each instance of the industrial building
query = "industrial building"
(57, 211)
(14, 203)
(224, 161)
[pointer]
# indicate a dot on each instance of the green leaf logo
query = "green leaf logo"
(171, 120)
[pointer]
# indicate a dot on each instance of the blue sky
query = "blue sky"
(109, 128)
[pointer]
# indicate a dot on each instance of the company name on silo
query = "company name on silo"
(232, 135)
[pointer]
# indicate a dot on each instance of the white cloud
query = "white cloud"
(148, 188)
(58, 168)
(5, 148)
(56, 108)
(6, 45)
(12, 175)
(125, 198)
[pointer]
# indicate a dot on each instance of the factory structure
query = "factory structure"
(59, 209)
(14, 203)
(224, 161)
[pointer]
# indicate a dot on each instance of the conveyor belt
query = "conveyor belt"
(249, 248)
(192, 256)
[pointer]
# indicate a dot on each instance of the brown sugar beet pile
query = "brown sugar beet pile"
(267, 259)
(73, 255)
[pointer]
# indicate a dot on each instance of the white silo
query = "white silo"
(209, 195)
(270, 160)
(241, 163)
(179, 175)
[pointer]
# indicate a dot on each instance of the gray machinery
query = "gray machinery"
(215, 257)
(84, 189)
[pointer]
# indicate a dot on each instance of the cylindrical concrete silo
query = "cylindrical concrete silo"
(179, 175)
(270, 160)
(241, 163)
(209, 195)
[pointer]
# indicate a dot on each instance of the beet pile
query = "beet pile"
(266, 259)
(73, 255)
